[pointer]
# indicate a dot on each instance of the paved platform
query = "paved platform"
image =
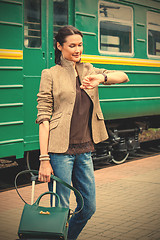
(128, 204)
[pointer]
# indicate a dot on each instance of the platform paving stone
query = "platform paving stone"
(128, 204)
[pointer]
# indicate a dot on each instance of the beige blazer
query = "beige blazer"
(56, 100)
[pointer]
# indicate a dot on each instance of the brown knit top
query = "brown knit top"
(80, 132)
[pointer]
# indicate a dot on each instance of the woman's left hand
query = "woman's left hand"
(92, 81)
(114, 77)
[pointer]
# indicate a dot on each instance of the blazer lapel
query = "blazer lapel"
(79, 68)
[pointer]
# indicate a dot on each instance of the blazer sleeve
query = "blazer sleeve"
(94, 70)
(45, 97)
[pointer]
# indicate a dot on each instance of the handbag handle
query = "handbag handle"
(77, 193)
(45, 193)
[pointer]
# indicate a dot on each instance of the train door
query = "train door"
(86, 21)
(42, 19)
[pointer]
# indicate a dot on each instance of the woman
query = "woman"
(70, 121)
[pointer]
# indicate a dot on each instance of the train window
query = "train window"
(60, 10)
(115, 28)
(153, 33)
(32, 23)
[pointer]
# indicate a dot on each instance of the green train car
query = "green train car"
(121, 35)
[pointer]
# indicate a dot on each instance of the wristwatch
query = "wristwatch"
(105, 77)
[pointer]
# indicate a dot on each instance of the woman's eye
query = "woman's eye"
(73, 45)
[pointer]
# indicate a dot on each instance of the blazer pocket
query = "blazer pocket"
(54, 121)
(100, 116)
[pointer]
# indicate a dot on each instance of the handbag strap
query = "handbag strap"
(45, 193)
(77, 193)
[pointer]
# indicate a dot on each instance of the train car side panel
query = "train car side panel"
(11, 79)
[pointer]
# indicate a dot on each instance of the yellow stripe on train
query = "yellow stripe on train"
(18, 54)
(120, 61)
(11, 54)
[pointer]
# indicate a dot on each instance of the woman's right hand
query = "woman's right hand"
(45, 171)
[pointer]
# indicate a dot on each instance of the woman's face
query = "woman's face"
(72, 48)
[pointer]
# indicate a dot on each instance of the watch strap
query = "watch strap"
(105, 77)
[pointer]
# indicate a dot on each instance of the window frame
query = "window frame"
(67, 4)
(132, 32)
(150, 55)
(40, 47)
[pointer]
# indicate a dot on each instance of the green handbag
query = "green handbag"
(39, 222)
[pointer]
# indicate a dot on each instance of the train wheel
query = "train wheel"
(119, 157)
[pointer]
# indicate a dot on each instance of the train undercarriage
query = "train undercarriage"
(123, 138)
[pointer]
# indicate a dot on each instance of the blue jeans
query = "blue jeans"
(78, 169)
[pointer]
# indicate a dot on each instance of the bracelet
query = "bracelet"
(44, 159)
(41, 156)
(105, 77)
(47, 155)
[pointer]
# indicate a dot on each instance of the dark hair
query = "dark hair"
(61, 38)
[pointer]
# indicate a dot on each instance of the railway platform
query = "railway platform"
(128, 203)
